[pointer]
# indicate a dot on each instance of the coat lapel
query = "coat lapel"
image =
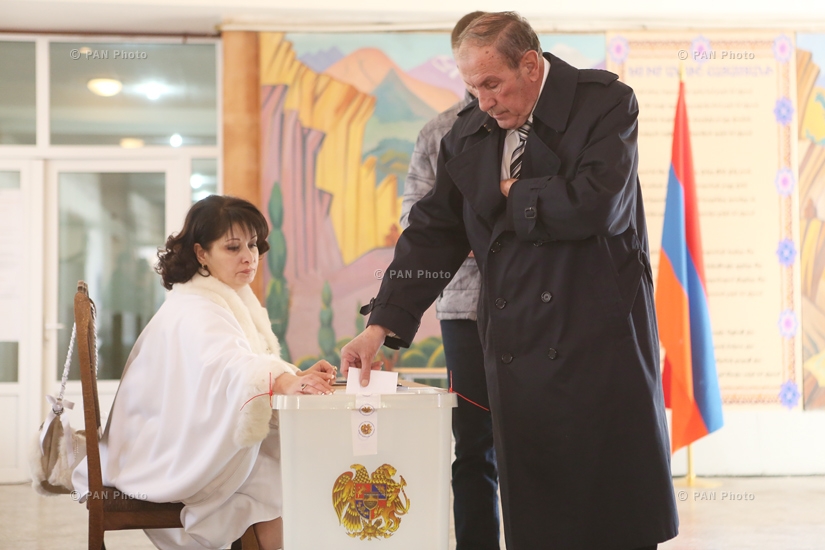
(556, 99)
(550, 119)
(539, 158)
(477, 168)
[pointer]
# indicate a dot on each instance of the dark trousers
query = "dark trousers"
(475, 477)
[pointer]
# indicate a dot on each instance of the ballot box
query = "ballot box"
(395, 499)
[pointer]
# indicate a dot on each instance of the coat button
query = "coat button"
(552, 354)
(496, 247)
(500, 303)
(506, 358)
(546, 297)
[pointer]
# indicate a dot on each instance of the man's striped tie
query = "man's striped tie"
(518, 152)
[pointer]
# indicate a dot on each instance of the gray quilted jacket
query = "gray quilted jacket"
(459, 300)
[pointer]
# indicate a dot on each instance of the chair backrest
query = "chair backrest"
(84, 318)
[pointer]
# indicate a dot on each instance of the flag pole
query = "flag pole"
(690, 480)
(691, 473)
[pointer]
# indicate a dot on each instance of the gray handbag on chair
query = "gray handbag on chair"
(58, 448)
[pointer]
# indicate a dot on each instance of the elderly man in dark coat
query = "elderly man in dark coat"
(539, 179)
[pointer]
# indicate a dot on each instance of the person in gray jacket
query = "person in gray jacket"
(475, 477)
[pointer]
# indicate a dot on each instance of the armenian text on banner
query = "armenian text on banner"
(741, 106)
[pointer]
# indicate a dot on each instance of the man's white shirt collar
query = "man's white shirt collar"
(511, 141)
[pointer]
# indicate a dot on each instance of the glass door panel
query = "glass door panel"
(110, 225)
(12, 235)
(17, 93)
(20, 332)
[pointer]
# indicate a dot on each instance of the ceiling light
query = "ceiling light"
(153, 90)
(176, 140)
(196, 181)
(105, 87)
(131, 143)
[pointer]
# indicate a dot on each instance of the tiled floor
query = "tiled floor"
(739, 514)
(752, 513)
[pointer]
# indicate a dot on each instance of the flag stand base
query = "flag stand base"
(698, 482)
(690, 480)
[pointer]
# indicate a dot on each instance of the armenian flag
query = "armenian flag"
(691, 387)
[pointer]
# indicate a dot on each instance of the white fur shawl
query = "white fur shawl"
(254, 321)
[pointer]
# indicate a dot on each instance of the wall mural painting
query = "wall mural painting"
(810, 60)
(340, 114)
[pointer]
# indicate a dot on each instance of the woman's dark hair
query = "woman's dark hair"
(208, 220)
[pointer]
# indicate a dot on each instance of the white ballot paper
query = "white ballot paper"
(364, 418)
(380, 382)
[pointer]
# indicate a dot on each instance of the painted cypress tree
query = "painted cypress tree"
(277, 293)
(326, 335)
(359, 320)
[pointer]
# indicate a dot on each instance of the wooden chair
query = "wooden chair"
(109, 509)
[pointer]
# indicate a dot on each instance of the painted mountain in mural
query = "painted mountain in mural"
(440, 71)
(322, 59)
(399, 116)
(366, 69)
(392, 157)
(391, 132)
(395, 102)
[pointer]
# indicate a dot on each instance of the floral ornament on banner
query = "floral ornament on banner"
(619, 49)
(783, 111)
(782, 48)
(788, 323)
(700, 48)
(786, 252)
(789, 394)
(785, 182)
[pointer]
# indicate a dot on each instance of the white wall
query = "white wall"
(754, 442)
(203, 16)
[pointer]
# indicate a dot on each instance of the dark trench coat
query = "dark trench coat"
(566, 313)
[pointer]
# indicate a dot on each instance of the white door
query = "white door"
(104, 223)
(21, 324)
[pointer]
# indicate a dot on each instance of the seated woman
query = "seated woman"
(192, 420)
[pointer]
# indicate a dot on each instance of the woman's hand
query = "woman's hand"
(323, 368)
(308, 383)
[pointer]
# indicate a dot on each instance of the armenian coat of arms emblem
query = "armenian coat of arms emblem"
(370, 506)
